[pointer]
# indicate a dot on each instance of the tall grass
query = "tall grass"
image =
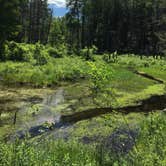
(47, 153)
(56, 70)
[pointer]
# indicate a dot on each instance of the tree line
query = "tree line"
(135, 26)
(25, 21)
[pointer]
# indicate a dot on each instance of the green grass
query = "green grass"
(62, 69)
(127, 88)
(150, 150)
(156, 71)
(125, 99)
(126, 81)
(46, 153)
(154, 67)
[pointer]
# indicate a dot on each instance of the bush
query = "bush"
(21, 52)
(110, 58)
(16, 52)
(40, 54)
(55, 53)
(100, 77)
(88, 53)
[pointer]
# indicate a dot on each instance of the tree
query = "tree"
(57, 32)
(73, 22)
(9, 22)
(135, 26)
(39, 21)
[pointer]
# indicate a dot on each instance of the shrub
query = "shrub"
(37, 54)
(55, 53)
(100, 76)
(14, 52)
(40, 55)
(110, 58)
(17, 52)
(88, 53)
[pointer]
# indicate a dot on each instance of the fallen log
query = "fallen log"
(153, 103)
(143, 74)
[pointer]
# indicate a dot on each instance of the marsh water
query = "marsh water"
(55, 111)
(24, 108)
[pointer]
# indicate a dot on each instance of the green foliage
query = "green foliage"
(149, 149)
(152, 135)
(56, 70)
(40, 54)
(53, 52)
(21, 52)
(110, 58)
(17, 52)
(46, 153)
(58, 51)
(35, 53)
(88, 53)
(100, 77)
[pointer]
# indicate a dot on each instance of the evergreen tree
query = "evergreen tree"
(39, 21)
(9, 22)
(57, 32)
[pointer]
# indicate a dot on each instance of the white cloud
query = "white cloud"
(58, 3)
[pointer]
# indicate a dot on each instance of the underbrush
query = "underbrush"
(37, 54)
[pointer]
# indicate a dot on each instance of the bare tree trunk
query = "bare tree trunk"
(15, 118)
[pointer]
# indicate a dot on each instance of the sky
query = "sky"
(58, 6)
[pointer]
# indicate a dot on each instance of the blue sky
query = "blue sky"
(58, 6)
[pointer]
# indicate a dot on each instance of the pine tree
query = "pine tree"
(9, 22)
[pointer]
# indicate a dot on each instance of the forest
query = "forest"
(84, 89)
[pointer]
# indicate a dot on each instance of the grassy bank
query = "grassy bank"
(46, 75)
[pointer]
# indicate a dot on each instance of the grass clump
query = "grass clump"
(47, 153)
